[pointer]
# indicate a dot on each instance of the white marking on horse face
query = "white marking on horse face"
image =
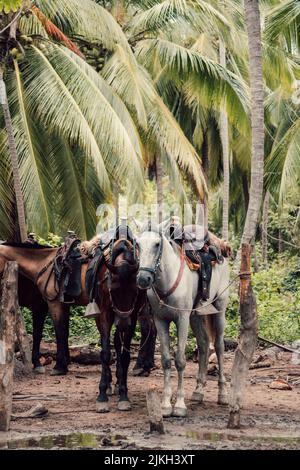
(149, 243)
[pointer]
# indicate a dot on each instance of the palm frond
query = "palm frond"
(284, 20)
(283, 165)
(198, 13)
(206, 82)
(50, 101)
(84, 18)
(33, 168)
(122, 158)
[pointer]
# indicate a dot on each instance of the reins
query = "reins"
(178, 309)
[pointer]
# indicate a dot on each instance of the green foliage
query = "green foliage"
(10, 5)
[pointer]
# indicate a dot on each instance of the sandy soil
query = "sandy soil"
(271, 418)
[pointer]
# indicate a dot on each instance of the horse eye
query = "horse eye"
(157, 244)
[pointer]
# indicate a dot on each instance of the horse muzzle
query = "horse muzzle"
(144, 280)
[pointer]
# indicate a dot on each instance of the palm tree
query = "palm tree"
(14, 160)
(248, 334)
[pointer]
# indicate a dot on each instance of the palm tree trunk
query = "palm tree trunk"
(264, 235)
(14, 160)
(225, 151)
(205, 169)
(248, 331)
(159, 188)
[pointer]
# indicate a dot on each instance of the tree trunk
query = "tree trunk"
(154, 411)
(14, 160)
(225, 151)
(116, 204)
(205, 169)
(159, 188)
(248, 333)
(247, 340)
(23, 341)
(280, 245)
(264, 234)
(8, 311)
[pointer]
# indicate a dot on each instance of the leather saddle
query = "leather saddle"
(195, 242)
(67, 268)
(103, 253)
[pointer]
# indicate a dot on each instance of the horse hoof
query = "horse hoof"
(138, 371)
(124, 405)
(102, 407)
(167, 412)
(109, 391)
(223, 400)
(198, 397)
(179, 412)
(39, 370)
(55, 372)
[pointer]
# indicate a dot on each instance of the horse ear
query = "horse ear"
(138, 224)
(164, 225)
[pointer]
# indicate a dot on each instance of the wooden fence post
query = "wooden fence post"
(23, 341)
(247, 340)
(154, 411)
(8, 311)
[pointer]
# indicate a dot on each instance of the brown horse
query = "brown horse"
(118, 300)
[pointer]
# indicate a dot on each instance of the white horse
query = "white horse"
(165, 274)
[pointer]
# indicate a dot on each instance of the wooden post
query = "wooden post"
(154, 411)
(8, 310)
(247, 340)
(23, 340)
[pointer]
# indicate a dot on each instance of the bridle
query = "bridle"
(157, 261)
(163, 295)
(113, 244)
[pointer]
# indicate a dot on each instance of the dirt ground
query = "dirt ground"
(270, 420)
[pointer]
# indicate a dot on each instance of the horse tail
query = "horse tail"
(210, 327)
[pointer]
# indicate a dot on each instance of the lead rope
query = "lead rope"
(140, 348)
(164, 304)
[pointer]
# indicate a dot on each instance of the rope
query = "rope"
(12, 21)
(140, 348)
(280, 240)
(164, 304)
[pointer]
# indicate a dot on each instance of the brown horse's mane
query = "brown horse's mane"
(32, 246)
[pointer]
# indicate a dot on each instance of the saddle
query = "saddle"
(67, 269)
(101, 253)
(200, 254)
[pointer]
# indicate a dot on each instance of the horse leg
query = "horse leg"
(164, 338)
(219, 326)
(199, 330)
(104, 328)
(60, 317)
(180, 362)
(123, 361)
(145, 360)
(38, 319)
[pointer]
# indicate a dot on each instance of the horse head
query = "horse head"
(123, 267)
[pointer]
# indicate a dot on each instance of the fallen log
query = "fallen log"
(8, 311)
(36, 411)
(81, 354)
(281, 346)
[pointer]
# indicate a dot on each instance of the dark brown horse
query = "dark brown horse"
(119, 300)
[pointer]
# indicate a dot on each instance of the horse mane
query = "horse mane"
(26, 245)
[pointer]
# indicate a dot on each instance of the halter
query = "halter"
(160, 294)
(157, 263)
(112, 245)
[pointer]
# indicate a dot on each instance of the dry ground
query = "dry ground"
(271, 418)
